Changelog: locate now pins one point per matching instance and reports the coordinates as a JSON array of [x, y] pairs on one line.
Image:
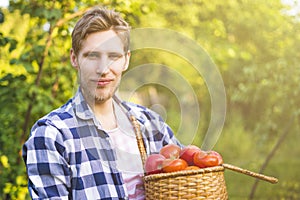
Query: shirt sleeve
[[48, 171], [168, 135], [157, 132]]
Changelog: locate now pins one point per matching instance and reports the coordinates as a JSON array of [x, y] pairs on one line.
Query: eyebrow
[[98, 53], [90, 52]]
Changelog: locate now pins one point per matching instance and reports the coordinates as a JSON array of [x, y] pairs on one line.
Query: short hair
[[100, 19]]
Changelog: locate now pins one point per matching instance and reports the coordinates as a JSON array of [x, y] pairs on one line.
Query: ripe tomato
[[192, 168], [153, 164], [170, 151], [220, 159], [205, 159], [187, 153], [170, 165]]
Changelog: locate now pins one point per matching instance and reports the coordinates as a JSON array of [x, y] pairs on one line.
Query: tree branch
[[271, 154]]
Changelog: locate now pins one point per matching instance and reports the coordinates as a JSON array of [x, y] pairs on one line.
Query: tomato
[[173, 165], [220, 159], [187, 153], [192, 168], [170, 151], [204, 159], [154, 163]]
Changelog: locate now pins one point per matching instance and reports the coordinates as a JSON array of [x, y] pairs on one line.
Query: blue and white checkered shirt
[[69, 156]]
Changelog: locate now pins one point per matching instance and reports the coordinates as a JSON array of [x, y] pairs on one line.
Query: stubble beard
[[106, 95], [100, 98], [89, 91]]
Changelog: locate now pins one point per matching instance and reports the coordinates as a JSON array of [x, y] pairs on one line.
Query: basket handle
[[143, 154], [250, 173], [139, 138]]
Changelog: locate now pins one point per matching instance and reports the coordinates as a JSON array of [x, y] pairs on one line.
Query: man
[[87, 148]]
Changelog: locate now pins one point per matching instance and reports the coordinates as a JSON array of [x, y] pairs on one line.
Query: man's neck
[[103, 108], [104, 112]]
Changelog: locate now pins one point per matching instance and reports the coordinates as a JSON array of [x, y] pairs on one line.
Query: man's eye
[[115, 56], [92, 56]]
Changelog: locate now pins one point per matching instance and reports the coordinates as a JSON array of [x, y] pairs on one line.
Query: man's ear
[[127, 56], [73, 59]]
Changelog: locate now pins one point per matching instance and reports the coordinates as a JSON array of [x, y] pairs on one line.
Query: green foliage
[[35, 75], [254, 44]]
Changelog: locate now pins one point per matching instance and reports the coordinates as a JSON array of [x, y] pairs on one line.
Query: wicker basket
[[206, 183]]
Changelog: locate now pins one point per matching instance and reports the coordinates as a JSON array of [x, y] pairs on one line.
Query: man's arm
[[48, 172]]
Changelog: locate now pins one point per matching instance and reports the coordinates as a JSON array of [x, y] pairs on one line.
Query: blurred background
[[253, 43]]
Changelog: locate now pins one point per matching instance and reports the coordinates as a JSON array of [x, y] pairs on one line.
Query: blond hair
[[100, 19]]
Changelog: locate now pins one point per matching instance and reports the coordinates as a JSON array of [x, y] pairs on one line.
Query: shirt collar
[[82, 109], [122, 115], [122, 111]]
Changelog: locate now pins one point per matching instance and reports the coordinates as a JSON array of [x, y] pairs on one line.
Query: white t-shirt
[[128, 162]]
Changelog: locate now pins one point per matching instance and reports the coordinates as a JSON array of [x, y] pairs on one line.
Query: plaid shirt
[[69, 156]]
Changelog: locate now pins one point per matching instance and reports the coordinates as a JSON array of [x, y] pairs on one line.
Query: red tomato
[[205, 159], [170, 151], [154, 163], [220, 159], [170, 165], [187, 153], [192, 168]]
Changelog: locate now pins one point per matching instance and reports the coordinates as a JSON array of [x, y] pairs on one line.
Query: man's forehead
[[103, 41]]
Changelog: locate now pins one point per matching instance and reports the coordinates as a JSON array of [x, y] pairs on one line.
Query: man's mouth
[[103, 82]]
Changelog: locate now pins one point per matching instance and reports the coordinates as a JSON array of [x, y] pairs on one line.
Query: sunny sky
[[3, 3]]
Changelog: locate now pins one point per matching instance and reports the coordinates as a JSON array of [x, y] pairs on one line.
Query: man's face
[[100, 64]]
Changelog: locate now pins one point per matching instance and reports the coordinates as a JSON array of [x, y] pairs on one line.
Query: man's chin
[[95, 98], [102, 98]]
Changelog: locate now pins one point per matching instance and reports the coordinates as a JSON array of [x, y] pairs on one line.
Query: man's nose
[[103, 65]]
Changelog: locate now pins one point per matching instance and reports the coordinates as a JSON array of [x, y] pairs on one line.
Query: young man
[[87, 148]]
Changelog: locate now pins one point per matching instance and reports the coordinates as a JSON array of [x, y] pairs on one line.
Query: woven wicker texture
[[208, 183]]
